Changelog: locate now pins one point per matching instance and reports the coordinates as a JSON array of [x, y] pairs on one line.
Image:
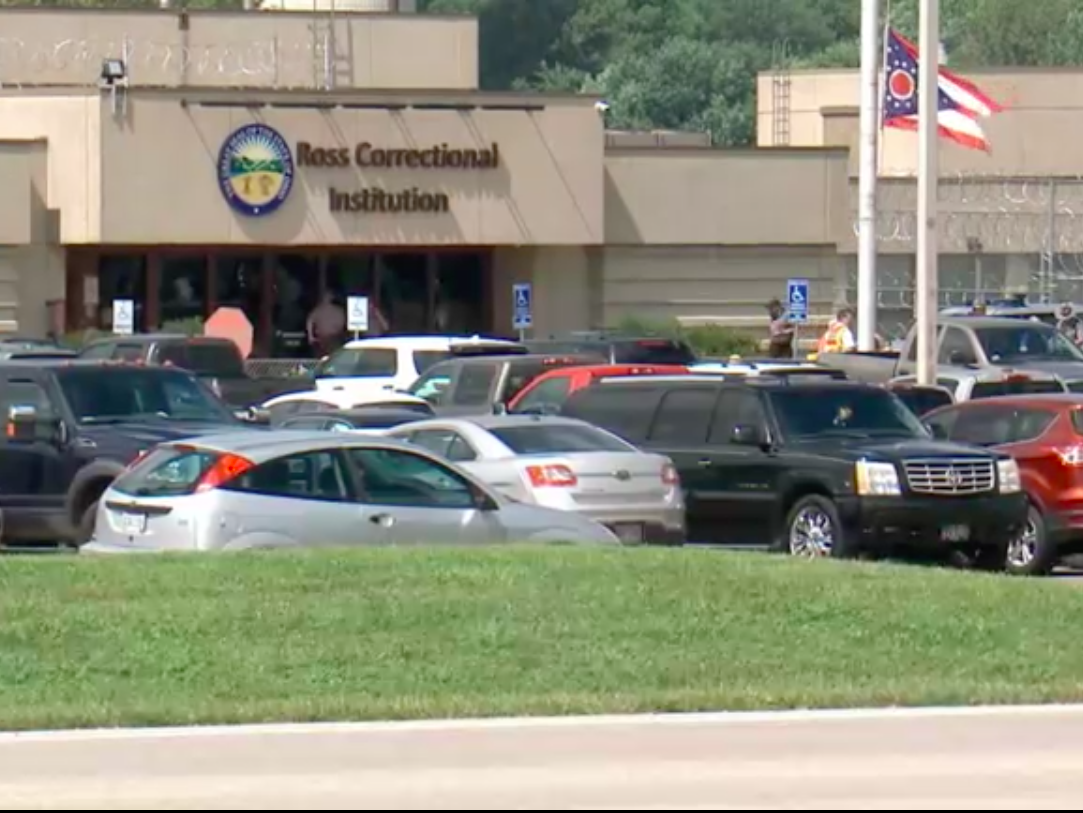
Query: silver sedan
[[565, 464], [257, 490]]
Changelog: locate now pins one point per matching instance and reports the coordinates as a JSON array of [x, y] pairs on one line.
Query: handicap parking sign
[[797, 296], [522, 306]]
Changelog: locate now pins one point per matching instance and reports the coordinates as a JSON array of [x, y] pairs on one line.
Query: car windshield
[[1026, 342], [558, 439], [923, 400], [123, 394], [363, 362], [806, 412]]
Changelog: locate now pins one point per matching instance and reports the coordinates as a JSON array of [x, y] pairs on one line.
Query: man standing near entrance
[[327, 326], [839, 337]]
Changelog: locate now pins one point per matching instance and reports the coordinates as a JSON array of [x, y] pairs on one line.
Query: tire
[[1032, 552], [86, 525], [814, 531]]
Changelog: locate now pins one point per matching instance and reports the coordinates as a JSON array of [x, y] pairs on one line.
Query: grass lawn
[[406, 634]]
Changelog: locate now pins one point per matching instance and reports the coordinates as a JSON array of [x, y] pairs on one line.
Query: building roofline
[[98, 11], [274, 97], [969, 71], [722, 150]]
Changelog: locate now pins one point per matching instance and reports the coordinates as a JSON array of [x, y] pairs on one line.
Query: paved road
[[1017, 760]]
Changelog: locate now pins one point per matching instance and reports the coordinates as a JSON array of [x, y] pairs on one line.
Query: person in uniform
[[839, 336]]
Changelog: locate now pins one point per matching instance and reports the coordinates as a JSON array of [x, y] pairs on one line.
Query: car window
[[626, 411], [545, 439], [168, 471], [923, 400], [427, 359], [460, 450], [653, 351], [110, 395], [1030, 341], [943, 423], [365, 362], [24, 392], [475, 385], [546, 397], [988, 426], [220, 359], [1026, 386], [736, 408], [520, 374], [308, 476], [306, 423], [435, 385], [957, 343], [129, 352], [1031, 423], [437, 441], [843, 412], [399, 478], [280, 413], [684, 417], [98, 352]]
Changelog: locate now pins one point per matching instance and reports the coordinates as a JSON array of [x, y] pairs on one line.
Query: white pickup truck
[[975, 343]]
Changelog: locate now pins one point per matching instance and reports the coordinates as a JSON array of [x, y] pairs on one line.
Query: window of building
[[122, 276], [182, 290]]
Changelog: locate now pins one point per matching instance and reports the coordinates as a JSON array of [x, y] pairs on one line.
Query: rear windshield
[[368, 362], [996, 389], [923, 401], [653, 351], [168, 471], [622, 409], [217, 359], [558, 439], [424, 359], [522, 373], [125, 394]]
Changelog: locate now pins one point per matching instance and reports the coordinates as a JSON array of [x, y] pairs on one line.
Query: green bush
[[715, 341]]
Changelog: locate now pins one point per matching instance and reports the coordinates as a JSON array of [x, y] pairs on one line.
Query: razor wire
[[76, 61]]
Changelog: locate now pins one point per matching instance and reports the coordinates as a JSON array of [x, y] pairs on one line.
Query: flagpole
[[928, 178], [871, 61]]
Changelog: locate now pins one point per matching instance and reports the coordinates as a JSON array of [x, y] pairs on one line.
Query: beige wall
[[724, 197], [1034, 136], [56, 47], [160, 180], [711, 283], [69, 125], [567, 286]]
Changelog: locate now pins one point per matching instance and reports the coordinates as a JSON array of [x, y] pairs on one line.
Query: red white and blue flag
[[961, 102]]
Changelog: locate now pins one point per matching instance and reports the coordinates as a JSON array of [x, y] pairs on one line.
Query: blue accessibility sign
[[797, 299], [522, 301]]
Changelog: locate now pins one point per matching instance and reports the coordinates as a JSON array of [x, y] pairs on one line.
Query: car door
[[34, 472], [743, 480], [679, 431], [307, 499], [417, 500]]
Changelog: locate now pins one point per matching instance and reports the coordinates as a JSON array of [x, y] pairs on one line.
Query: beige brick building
[[256, 159]]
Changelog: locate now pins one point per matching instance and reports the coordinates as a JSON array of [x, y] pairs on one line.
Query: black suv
[[475, 385], [72, 427], [813, 467]]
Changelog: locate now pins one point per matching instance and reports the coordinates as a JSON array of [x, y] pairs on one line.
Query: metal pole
[[928, 176], [871, 62], [1050, 276]]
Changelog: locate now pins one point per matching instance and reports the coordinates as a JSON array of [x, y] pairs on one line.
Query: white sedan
[[565, 464]]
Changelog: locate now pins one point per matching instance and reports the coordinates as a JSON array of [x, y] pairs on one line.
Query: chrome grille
[[951, 476]]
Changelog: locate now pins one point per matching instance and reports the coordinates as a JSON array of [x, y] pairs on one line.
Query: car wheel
[[1030, 552], [814, 531]]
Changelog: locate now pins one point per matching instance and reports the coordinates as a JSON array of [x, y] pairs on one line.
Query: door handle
[[383, 520], [706, 463]]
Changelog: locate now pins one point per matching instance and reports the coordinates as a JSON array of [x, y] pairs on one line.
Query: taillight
[[552, 477], [226, 469], [1071, 456], [670, 477]]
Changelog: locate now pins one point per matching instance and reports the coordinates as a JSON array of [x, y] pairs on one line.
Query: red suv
[[1044, 433], [546, 394]]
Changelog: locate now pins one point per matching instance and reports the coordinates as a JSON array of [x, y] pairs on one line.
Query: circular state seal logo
[[255, 170]]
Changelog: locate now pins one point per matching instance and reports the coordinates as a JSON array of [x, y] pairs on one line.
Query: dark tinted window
[[23, 392], [305, 423], [990, 425], [623, 410], [653, 351], [923, 400], [424, 359], [167, 471], [685, 417], [475, 385], [311, 476], [736, 408], [360, 363], [996, 389], [546, 397], [104, 394], [129, 352], [558, 439], [393, 477], [1030, 341], [219, 359], [809, 412], [284, 411]]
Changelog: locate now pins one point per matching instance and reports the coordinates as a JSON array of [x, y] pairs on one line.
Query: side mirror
[[26, 425], [750, 435], [937, 431]]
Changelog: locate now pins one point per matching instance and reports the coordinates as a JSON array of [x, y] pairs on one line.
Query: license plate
[[133, 524], [955, 533], [630, 533]]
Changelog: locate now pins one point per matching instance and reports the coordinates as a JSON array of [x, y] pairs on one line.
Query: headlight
[[877, 479], [1008, 475]]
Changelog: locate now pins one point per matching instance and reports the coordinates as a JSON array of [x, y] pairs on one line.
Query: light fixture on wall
[[114, 80]]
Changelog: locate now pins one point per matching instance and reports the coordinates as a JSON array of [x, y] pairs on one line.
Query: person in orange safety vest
[[839, 337]]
